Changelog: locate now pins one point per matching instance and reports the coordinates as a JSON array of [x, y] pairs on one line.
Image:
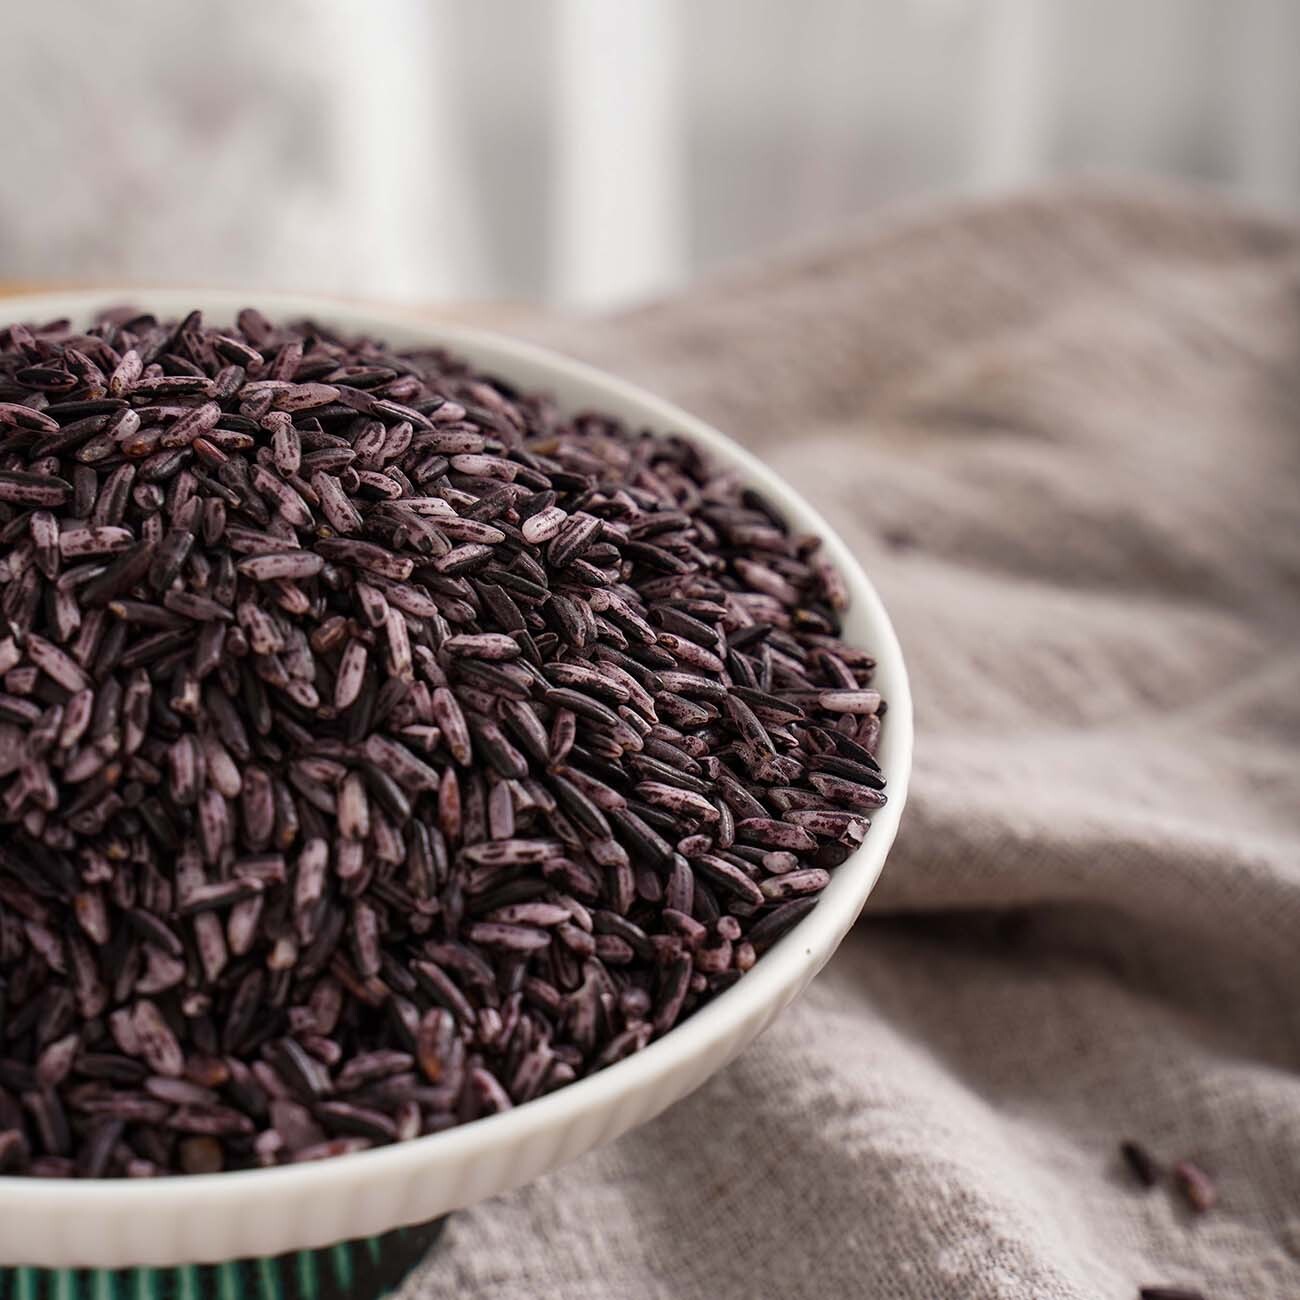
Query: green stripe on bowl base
[[342, 1257], [363, 1269], [306, 1273], [271, 1274]]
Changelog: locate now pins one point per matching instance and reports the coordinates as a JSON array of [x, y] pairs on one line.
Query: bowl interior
[[659, 1074]]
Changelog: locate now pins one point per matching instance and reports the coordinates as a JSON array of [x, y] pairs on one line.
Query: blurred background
[[589, 153]]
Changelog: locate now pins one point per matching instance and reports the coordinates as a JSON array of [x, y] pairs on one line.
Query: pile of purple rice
[[379, 748]]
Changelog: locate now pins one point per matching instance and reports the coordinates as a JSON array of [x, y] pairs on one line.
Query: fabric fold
[[1063, 435]]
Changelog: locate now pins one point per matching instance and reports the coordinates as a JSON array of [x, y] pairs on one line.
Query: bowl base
[[361, 1269]]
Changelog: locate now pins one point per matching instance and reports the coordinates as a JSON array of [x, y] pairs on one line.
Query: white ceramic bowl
[[216, 1217]]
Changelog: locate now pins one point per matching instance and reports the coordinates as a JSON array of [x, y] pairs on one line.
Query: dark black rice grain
[[1143, 1165], [379, 749]]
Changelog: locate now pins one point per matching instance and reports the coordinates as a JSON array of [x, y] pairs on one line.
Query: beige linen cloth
[[1063, 435]]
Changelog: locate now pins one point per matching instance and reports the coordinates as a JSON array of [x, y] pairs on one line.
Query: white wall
[[590, 151]]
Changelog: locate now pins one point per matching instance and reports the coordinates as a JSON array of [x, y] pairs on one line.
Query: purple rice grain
[[1197, 1187], [378, 748]]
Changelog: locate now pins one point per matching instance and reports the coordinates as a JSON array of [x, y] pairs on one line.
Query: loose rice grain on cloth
[[1063, 434]]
